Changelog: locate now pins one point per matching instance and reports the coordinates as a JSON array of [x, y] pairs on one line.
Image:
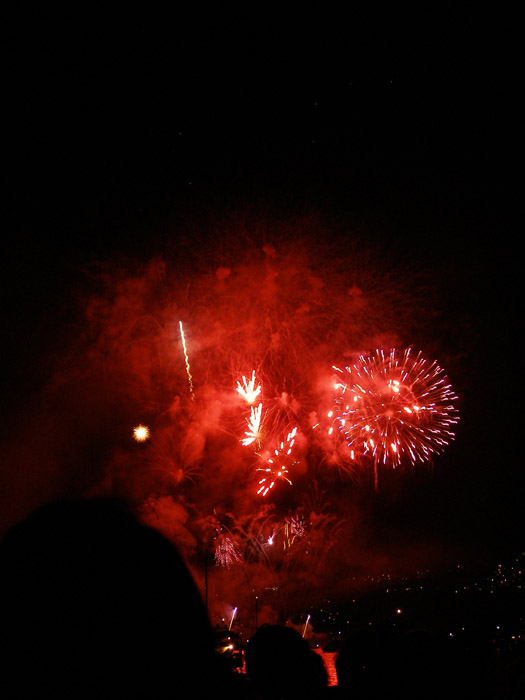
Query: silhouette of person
[[280, 664], [95, 604]]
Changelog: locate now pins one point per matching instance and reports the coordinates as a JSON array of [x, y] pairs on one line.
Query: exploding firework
[[277, 465], [293, 529], [395, 406], [141, 433], [226, 553], [254, 426], [279, 315], [248, 390]]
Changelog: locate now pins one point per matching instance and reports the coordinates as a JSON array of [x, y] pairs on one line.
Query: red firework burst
[[277, 465], [395, 406]]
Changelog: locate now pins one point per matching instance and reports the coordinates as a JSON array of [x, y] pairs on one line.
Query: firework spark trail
[[293, 529], [392, 406], [190, 380], [306, 625], [326, 433], [233, 615], [226, 553], [254, 426], [249, 391], [277, 465]]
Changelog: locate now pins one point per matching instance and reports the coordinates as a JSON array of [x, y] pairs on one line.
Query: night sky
[[122, 130]]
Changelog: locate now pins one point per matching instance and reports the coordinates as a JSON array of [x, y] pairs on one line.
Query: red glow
[[277, 465]]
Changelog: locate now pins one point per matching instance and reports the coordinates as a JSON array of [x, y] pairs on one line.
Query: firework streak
[[190, 380], [254, 426]]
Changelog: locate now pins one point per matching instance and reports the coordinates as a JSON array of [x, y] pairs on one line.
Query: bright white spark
[[254, 424], [248, 390], [190, 380], [141, 433]]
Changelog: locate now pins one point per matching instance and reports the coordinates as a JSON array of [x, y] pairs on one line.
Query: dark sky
[[406, 125]]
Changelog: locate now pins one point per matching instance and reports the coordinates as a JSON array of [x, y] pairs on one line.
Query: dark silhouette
[[280, 664], [95, 604]]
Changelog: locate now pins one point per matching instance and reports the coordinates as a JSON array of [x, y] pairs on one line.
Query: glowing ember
[[141, 433], [248, 390], [254, 425], [395, 406]]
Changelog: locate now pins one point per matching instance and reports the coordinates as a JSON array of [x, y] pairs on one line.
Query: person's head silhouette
[[280, 664], [96, 604]]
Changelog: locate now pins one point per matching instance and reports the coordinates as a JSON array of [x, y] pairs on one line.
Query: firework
[[293, 529], [248, 390], [277, 465], [233, 615], [226, 553], [306, 625], [395, 407], [190, 380], [141, 433], [254, 426], [327, 439]]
